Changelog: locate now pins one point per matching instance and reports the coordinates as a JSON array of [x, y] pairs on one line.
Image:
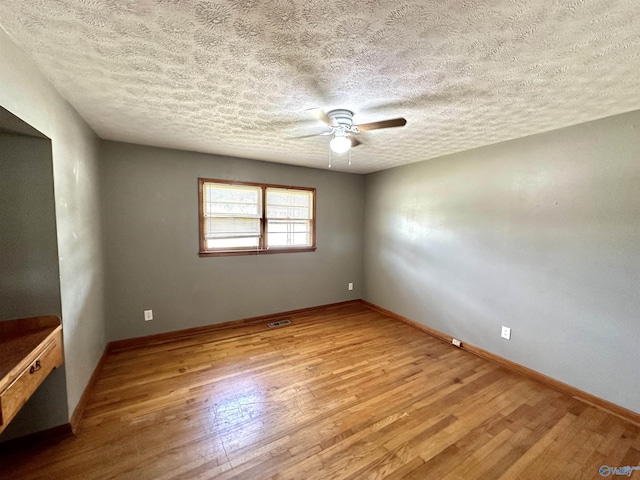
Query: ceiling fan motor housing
[[341, 117]]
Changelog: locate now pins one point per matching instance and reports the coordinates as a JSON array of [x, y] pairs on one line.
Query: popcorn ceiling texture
[[235, 77]]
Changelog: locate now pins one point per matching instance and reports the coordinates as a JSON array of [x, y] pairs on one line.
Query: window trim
[[261, 250]]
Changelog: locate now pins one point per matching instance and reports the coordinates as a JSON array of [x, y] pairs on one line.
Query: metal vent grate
[[279, 323]]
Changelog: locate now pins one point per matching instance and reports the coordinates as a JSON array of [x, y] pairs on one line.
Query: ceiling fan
[[341, 126]]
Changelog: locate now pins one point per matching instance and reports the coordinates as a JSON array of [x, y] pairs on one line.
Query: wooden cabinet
[[30, 348]]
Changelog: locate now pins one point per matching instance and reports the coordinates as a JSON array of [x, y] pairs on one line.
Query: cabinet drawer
[[18, 392]]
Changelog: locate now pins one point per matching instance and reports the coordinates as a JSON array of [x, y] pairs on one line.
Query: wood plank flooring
[[343, 393]]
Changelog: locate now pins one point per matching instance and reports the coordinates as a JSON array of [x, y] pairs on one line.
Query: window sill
[[233, 253]]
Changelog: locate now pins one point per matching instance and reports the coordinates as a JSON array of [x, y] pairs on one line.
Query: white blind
[[289, 214], [289, 204], [232, 211], [222, 227], [235, 218]]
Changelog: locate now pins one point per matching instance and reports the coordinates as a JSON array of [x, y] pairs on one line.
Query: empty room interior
[[300, 239]]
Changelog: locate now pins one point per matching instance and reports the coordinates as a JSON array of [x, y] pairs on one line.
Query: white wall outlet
[[506, 333], [456, 342], [148, 315], [350, 287]]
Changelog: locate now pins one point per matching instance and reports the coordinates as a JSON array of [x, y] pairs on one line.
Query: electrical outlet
[[506, 333], [148, 315], [350, 286], [456, 342]]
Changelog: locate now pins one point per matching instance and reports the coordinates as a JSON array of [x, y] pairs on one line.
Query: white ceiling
[[236, 77]]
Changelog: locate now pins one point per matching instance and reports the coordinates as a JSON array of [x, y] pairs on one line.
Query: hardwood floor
[[345, 393]]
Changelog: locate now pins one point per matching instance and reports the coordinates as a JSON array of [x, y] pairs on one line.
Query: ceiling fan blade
[[310, 135], [395, 122], [354, 142], [320, 115]]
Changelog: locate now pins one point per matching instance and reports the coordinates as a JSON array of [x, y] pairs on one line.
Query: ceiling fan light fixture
[[340, 144]]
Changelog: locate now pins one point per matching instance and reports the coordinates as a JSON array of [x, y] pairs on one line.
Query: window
[[246, 218]]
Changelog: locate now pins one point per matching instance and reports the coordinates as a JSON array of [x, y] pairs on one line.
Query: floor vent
[[279, 323]]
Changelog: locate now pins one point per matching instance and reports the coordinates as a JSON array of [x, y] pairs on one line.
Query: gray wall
[[25, 92], [29, 276], [541, 234], [150, 212]]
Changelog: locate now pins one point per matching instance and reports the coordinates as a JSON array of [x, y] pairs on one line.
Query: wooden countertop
[[19, 342]]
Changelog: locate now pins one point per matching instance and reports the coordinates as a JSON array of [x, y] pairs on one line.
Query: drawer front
[[16, 394]]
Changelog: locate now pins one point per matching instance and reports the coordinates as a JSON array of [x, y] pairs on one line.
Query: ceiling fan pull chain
[[330, 155], [349, 157]]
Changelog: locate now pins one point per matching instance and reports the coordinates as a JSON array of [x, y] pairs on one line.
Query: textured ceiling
[[236, 77]]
